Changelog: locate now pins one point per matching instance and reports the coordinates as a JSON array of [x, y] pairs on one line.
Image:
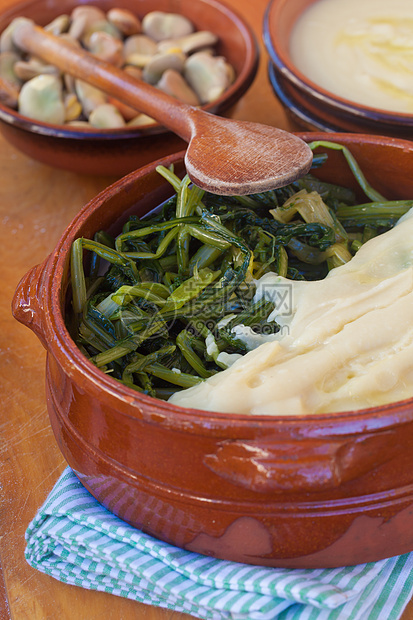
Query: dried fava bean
[[173, 83], [106, 116], [89, 96], [59, 25], [41, 99], [127, 112], [9, 82], [160, 25], [138, 50], [158, 64], [141, 120], [90, 13], [6, 37], [208, 75], [73, 107], [8, 62], [82, 18], [100, 26], [9, 94], [26, 70], [67, 38], [108, 48], [126, 22], [191, 43]]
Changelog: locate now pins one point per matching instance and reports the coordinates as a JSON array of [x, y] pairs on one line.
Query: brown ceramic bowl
[[117, 152], [308, 104], [307, 491]]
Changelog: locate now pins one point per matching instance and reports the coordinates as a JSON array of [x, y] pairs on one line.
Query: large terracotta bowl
[[307, 491], [119, 151], [309, 105]]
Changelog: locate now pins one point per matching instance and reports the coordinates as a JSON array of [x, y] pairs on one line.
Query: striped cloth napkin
[[77, 541]]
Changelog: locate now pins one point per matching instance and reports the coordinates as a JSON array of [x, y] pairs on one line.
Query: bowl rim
[[236, 90], [302, 115], [61, 345], [286, 67]]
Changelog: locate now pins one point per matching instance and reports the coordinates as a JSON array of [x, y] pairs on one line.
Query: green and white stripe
[[77, 541]]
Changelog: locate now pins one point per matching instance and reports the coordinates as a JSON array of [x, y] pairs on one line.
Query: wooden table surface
[[36, 204]]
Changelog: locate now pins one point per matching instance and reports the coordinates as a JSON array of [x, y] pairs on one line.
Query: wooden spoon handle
[[79, 63]]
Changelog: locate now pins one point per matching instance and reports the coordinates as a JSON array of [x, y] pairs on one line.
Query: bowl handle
[[27, 304], [305, 464]]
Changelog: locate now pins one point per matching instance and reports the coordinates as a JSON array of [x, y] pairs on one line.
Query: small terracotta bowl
[[119, 151], [307, 491], [309, 105]]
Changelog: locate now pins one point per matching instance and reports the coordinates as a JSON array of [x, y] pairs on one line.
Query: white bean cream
[[346, 342], [361, 50]]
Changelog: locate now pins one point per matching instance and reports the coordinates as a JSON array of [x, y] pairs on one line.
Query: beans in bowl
[[163, 49]]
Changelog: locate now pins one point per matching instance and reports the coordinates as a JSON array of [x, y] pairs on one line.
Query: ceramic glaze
[[361, 51]]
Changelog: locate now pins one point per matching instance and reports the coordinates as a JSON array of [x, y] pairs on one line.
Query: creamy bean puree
[[345, 343], [360, 50]]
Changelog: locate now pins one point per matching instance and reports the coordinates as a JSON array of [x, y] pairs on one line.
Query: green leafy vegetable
[[158, 306]]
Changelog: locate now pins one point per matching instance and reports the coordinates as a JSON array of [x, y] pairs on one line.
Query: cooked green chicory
[[156, 306]]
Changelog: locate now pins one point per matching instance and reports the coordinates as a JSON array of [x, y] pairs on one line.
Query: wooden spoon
[[224, 156]]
